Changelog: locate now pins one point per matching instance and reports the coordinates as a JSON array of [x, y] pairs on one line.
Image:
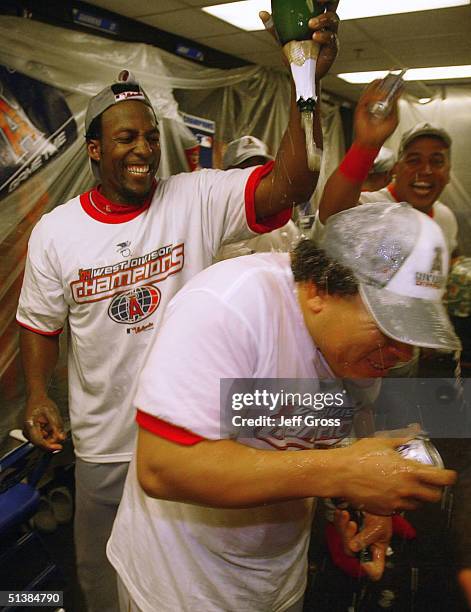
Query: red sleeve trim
[[166, 430], [273, 221], [40, 331]]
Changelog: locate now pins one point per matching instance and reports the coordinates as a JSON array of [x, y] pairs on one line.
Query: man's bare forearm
[[225, 474], [39, 356], [202, 473], [290, 182], [339, 194]]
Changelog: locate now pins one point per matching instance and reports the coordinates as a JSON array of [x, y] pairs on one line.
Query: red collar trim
[[101, 209], [393, 193]]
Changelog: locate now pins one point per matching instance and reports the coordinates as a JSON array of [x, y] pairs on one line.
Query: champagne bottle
[[291, 19]]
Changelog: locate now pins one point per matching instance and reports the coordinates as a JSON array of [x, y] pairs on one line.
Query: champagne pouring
[[291, 19]]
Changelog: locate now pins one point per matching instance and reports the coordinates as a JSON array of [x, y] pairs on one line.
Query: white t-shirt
[[441, 214], [238, 319], [112, 276], [280, 240]]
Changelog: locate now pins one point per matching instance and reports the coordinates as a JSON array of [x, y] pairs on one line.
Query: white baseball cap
[[383, 162], [400, 259], [243, 148]]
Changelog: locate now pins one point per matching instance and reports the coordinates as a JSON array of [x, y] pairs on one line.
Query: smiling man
[[217, 518], [421, 173], [108, 262]]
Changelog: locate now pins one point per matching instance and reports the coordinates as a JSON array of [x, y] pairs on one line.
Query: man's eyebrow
[[131, 130]]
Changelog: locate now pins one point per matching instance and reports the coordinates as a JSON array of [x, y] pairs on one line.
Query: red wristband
[[357, 163]]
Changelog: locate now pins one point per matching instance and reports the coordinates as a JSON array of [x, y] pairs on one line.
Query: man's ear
[[315, 299], [94, 150]]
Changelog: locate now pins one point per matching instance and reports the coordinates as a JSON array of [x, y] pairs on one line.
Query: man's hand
[[371, 132], [375, 534], [464, 580], [375, 478], [324, 28], [43, 424]]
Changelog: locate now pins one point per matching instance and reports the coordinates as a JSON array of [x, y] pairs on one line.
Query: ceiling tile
[[137, 8], [190, 22], [411, 25], [206, 2], [235, 43], [263, 59], [266, 38]]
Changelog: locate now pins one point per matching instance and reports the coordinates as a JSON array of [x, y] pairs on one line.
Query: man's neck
[[107, 205]]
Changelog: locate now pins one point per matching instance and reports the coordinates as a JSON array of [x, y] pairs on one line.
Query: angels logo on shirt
[[135, 305]]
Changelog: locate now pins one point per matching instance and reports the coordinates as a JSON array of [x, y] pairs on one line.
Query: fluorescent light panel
[[244, 14], [438, 73]]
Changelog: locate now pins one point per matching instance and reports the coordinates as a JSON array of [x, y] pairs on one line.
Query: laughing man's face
[[422, 172], [128, 152]]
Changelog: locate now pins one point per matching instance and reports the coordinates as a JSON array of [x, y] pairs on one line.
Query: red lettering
[[134, 307]]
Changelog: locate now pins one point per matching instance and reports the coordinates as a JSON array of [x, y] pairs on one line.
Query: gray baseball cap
[[423, 129], [242, 149], [125, 88], [400, 259]]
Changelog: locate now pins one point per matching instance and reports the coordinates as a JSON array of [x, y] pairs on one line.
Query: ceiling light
[[244, 14], [438, 73], [424, 100], [362, 77]]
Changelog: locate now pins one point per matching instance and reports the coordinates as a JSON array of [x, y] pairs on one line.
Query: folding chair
[[25, 564]]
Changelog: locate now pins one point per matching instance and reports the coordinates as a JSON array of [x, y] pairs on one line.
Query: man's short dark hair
[[310, 263], [94, 130]]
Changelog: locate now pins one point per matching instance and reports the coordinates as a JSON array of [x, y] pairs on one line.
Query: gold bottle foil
[[298, 51]]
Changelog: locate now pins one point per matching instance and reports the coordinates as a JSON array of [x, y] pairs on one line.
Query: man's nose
[[426, 168], [143, 146]]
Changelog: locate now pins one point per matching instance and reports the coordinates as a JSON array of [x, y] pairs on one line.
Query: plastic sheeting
[[244, 100]]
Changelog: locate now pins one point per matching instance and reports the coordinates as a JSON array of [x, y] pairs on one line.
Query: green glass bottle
[[291, 18]]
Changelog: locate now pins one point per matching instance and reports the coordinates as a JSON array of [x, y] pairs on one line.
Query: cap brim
[[410, 320]]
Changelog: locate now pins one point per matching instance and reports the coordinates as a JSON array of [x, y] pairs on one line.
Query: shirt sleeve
[[228, 206], [42, 307], [202, 340]]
